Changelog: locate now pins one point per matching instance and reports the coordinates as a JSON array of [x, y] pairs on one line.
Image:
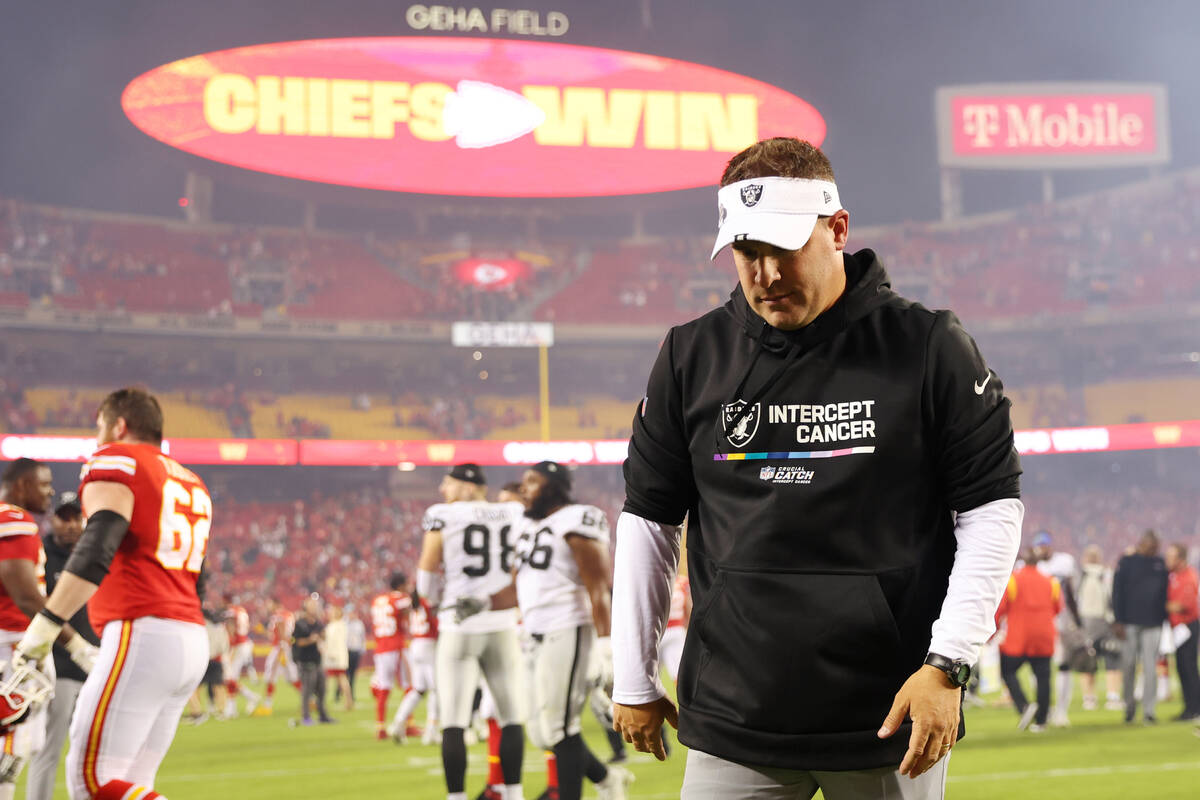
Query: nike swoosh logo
[[979, 386]]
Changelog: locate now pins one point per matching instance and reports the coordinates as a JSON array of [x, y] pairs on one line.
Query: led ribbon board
[[457, 116]]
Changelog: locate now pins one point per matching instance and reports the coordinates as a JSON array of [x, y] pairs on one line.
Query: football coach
[[845, 461]]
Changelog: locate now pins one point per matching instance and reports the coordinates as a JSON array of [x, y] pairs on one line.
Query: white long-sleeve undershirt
[[988, 539], [647, 558], [644, 569]]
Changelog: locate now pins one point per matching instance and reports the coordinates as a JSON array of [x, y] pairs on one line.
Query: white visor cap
[[778, 211]]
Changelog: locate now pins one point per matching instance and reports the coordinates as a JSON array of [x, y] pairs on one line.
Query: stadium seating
[[69, 410], [1117, 402], [1131, 247], [186, 416]]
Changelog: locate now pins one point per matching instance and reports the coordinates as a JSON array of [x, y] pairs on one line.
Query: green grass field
[[262, 757]]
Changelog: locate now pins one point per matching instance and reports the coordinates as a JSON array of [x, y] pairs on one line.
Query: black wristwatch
[[959, 672]]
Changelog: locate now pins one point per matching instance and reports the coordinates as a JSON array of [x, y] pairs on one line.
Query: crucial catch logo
[[786, 475]]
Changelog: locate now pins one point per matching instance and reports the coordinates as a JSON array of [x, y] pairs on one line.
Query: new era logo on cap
[[554, 471], [471, 473], [828, 196]]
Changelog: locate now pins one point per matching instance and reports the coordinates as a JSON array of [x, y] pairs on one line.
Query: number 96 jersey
[[478, 553], [155, 569], [549, 590]]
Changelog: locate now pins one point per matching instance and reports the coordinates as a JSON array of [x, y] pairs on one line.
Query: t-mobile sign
[[1052, 125]]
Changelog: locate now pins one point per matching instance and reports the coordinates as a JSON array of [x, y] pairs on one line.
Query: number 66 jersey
[[550, 592], [478, 552], [154, 571]]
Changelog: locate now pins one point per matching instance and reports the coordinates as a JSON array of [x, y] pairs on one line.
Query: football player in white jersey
[[563, 583], [472, 540]]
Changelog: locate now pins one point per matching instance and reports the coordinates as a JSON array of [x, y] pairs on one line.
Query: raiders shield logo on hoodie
[[739, 425]]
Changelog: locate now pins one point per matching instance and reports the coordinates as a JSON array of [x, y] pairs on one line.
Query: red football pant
[[495, 774]]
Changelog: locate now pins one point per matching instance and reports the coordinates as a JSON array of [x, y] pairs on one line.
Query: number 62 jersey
[[549, 590], [478, 554], [154, 571]]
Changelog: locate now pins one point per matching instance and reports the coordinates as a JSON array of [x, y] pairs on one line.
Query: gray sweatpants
[[44, 765], [1141, 644], [707, 777], [312, 687]]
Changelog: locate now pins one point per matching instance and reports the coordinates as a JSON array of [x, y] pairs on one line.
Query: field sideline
[[262, 758]]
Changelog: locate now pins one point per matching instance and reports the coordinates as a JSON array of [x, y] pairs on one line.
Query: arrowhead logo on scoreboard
[[480, 114], [491, 274]]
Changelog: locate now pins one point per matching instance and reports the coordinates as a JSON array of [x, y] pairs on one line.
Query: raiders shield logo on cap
[[751, 194]]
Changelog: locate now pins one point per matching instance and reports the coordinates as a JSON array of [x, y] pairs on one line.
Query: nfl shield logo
[[739, 423], [766, 473], [751, 194]]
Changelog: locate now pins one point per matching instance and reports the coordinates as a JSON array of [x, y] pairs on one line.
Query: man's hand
[[641, 725], [36, 643], [1118, 630], [467, 607], [933, 703]]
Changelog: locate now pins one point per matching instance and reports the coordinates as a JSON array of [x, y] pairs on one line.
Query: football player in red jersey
[[280, 626], [389, 624], [419, 659], [137, 565], [25, 487], [241, 659]]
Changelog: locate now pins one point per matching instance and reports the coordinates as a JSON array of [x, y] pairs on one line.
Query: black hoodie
[[818, 469]]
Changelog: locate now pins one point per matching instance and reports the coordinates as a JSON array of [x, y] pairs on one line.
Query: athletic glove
[[601, 671], [82, 652], [38, 639], [602, 706], [467, 607]]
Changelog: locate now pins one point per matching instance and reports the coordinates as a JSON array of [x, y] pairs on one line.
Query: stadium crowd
[[1063, 257]]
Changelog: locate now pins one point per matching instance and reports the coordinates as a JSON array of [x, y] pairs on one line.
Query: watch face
[[960, 673]]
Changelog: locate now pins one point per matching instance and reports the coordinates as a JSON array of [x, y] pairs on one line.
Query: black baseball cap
[[471, 473], [554, 472], [68, 506]]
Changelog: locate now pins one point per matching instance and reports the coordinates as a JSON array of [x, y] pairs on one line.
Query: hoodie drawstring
[[748, 409]]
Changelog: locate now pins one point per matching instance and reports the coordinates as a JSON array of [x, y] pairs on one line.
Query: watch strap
[[951, 667]]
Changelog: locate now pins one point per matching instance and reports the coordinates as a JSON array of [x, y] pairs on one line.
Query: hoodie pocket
[[798, 653]]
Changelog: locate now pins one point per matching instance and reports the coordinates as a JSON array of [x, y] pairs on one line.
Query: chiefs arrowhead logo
[[482, 115]]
